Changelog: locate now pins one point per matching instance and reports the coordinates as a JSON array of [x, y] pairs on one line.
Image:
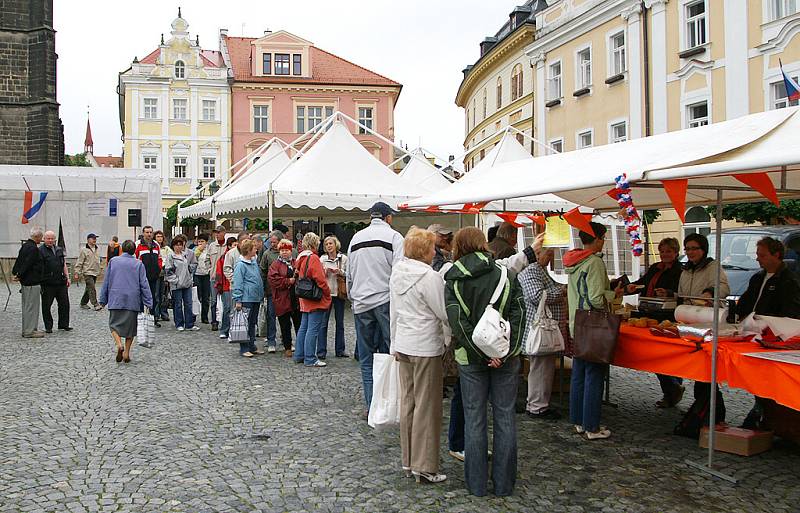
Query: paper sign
[[97, 207], [557, 232]]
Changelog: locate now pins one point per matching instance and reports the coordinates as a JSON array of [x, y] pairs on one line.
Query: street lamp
[[213, 188], [199, 190]]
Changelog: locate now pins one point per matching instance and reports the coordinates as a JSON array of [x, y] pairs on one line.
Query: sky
[[423, 44]]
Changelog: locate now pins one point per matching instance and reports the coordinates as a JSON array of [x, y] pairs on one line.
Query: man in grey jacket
[[372, 253]]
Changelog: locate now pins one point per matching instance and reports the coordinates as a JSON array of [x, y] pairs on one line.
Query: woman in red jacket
[[281, 277], [223, 286], [308, 265]]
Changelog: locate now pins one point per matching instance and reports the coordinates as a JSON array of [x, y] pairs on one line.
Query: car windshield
[[738, 250]]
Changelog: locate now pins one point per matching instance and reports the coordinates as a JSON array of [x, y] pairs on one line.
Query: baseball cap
[[438, 228], [91, 236], [380, 210]]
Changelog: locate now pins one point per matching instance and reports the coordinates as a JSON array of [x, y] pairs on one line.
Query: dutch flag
[[30, 208], [792, 89]]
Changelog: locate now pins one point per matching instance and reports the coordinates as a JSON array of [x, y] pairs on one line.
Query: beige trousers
[[420, 411], [540, 382]]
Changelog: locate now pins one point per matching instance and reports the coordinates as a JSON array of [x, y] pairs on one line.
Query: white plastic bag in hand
[[384, 411]]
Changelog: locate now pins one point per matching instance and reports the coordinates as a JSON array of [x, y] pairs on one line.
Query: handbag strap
[[305, 269], [583, 296], [542, 308], [501, 285]]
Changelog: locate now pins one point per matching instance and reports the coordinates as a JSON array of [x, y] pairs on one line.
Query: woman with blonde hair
[[313, 311], [419, 331], [335, 265]]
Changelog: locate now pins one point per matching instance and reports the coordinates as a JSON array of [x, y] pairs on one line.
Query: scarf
[[651, 285], [289, 268]]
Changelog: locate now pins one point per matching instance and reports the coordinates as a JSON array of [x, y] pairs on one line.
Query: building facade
[[175, 113], [610, 70], [283, 86], [497, 90], [31, 132]]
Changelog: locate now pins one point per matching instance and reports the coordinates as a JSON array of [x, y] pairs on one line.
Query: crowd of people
[[418, 297]]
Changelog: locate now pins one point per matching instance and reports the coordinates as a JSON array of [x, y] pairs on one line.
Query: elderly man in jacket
[[55, 283], [28, 269], [88, 265], [215, 250]]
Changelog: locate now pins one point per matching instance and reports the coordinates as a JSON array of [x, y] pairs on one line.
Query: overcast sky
[[422, 44]]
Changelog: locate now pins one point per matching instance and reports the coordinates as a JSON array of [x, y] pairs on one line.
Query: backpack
[[698, 415]]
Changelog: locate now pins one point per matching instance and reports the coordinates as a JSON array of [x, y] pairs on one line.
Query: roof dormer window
[[281, 63], [180, 69], [267, 62]]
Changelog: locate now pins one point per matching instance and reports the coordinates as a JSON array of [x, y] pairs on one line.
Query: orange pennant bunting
[[510, 218], [676, 190], [537, 218], [577, 220], [762, 183]]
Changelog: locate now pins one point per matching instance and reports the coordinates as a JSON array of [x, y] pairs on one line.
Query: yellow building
[[497, 90], [609, 70], [175, 113]]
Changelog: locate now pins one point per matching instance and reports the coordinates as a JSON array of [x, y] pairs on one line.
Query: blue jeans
[[455, 433], [182, 308], [586, 393], [306, 346], [337, 305], [372, 336], [225, 322], [480, 383], [252, 322]]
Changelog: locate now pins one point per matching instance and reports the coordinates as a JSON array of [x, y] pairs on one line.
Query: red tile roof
[[110, 161], [210, 58], [326, 68]]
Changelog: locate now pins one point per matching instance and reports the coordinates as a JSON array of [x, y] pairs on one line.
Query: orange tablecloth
[[639, 349]]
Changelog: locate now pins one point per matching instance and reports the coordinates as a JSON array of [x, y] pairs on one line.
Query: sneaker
[[271, 349], [258, 351], [598, 435], [248, 354], [222, 335], [195, 328], [181, 328], [459, 455]]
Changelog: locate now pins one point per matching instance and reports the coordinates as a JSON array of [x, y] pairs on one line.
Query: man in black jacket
[[775, 291], [55, 283], [28, 269]]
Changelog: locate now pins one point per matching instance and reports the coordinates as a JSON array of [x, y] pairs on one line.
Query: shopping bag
[[384, 411], [145, 329], [238, 331], [195, 302]]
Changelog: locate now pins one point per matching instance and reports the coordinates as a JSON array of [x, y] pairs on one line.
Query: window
[[365, 118], [179, 106], [180, 69], [301, 120], [499, 99], [281, 63], [267, 63], [150, 162], [585, 139], [260, 118], [179, 167], [695, 24], [516, 82], [209, 110], [617, 60], [151, 108], [473, 113], [483, 154], [554, 90], [619, 132], [697, 114], [297, 64], [309, 116], [778, 93], [697, 221], [209, 167], [584, 68], [556, 146], [781, 8], [484, 103]]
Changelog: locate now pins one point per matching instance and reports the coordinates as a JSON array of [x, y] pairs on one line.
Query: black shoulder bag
[[307, 288]]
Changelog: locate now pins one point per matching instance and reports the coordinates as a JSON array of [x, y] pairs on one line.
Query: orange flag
[[577, 220], [761, 183], [537, 218], [676, 190], [510, 218]]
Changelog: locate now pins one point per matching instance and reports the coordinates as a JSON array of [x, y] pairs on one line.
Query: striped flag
[[30, 208], [792, 88]]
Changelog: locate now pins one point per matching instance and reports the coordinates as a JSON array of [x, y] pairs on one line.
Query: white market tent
[[421, 172], [708, 158], [79, 197]]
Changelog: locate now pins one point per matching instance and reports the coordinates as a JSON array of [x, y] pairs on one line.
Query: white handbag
[[492, 334], [544, 335], [384, 410]]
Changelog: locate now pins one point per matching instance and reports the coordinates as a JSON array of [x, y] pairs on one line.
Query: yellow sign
[[557, 232]]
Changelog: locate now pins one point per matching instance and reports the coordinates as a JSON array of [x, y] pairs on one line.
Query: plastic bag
[[145, 329], [384, 410], [238, 331]]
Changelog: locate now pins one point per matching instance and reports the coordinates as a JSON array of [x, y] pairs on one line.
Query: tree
[[759, 212], [79, 159], [172, 215]]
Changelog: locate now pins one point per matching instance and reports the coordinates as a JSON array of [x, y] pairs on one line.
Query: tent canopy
[[78, 179], [705, 155], [419, 171]]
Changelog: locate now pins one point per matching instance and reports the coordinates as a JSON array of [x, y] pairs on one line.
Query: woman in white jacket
[[419, 329]]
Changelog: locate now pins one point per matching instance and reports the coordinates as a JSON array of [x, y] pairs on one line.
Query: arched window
[[180, 69], [516, 82], [499, 92], [484, 103], [697, 221]]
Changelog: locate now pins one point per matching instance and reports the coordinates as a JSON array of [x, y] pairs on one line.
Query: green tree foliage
[[759, 212], [79, 159], [172, 215]]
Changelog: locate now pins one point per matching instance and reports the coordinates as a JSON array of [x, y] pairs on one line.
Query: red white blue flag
[[792, 88], [30, 208]]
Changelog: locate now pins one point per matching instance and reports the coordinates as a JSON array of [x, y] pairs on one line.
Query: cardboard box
[[744, 442]]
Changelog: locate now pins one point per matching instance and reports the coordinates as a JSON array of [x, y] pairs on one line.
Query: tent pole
[[270, 198], [712, 421]]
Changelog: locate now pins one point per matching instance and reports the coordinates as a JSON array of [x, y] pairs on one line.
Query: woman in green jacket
[[588, 287], [470, 283]]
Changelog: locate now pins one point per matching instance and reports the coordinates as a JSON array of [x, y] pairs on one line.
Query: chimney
[[267, 32], [223, 32]]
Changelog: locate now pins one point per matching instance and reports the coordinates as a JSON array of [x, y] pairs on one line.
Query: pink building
[[283, 86]]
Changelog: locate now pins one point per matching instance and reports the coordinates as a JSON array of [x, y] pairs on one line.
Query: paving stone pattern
[[192, 427]]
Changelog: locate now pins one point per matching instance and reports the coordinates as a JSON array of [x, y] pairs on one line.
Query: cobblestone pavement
[[191, 427]]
